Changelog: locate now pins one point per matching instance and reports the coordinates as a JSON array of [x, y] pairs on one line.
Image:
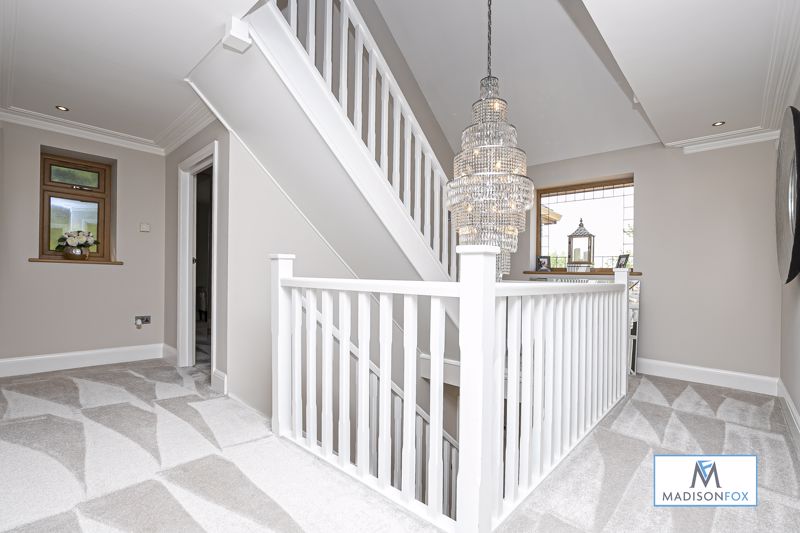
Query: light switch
[[144, 227]]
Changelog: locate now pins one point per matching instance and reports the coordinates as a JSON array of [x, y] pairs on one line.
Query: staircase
[[314, 102], [327, 120]]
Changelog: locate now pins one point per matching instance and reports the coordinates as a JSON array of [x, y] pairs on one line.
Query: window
[[606, 208], [75, 195]]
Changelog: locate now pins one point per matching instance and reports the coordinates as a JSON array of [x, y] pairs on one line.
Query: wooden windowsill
[[74, 262], [556, 273]]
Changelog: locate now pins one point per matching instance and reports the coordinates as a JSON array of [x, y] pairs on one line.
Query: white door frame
[[187, 170]]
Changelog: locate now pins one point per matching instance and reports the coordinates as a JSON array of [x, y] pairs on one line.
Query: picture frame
[[622, 261], [543, 263]]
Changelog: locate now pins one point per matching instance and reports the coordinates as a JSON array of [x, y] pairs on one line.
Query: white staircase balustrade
[[444, 456], [559, 349], [409, 167]]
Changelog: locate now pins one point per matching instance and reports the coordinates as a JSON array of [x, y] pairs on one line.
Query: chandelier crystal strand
[[490, 193]]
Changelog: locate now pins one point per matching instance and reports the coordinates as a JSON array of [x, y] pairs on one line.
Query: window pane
[[73, 176], [71, 215]]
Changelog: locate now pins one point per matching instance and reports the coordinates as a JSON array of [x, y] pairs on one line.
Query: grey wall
[[705, 242], [790, 332], [262, 221], [54, 307]]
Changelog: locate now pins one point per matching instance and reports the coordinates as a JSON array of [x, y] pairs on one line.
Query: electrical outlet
[[144, 318]]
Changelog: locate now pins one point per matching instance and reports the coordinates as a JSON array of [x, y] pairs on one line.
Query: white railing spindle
[[498, 400], [344, 378], [395, 145], [311, 368], [427, 213], [437, 214], [512, 395], [372, 73], [558, 372], [293, 16], [410, 393], [373, 424], [281, 267], [327, 44], [384, 126], [311, 32], [358, 83], [384, 395], [407, 165], [436, 407], [417, 182], [526, 393], [362, 423], [344, 41], [297, 364], [327, 372]]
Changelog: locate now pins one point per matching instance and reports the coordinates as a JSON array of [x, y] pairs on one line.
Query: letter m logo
[[705, 469]]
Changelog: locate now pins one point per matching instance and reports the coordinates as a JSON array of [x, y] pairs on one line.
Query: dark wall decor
[[786, 196]]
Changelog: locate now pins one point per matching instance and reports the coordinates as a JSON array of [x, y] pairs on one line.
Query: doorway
[[202, 268], [197, 264]]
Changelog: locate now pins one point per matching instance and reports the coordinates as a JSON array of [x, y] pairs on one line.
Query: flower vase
[[76, 253]]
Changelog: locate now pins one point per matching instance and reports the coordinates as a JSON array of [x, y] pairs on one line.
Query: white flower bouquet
[[76, 239]]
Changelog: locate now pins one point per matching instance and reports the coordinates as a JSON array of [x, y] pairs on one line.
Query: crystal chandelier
[[489, 192]]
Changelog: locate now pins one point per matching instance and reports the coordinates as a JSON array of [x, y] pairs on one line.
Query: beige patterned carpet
[[145, 447], [606, 483]]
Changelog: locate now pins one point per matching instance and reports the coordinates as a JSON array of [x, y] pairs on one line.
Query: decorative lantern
[[581, 249]]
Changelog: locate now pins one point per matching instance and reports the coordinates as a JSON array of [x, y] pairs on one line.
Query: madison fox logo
[[705, 469]]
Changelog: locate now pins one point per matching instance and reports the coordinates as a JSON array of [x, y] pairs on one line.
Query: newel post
[[476, 481], [622, 276], [281, 267]]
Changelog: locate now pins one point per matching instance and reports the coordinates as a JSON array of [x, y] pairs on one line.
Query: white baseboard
[[709, 376], [794, 415], [219, 382], [171, 354], [33, 364]]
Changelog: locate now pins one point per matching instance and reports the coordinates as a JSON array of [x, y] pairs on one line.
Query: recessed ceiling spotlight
[[719, 123], [62, 108]]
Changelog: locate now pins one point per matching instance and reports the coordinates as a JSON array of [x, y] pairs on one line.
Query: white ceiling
[[118, 66], [693, 63], [563, 99], [570, 72]]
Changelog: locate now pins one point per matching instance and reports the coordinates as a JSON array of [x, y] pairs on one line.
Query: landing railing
[[422, 421], [559, 348], [340, 46]]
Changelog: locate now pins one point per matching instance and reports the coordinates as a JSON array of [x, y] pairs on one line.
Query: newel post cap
[[274, 257]]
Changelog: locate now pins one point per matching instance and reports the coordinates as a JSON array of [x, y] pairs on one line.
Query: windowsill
[[74, 262], [562, 273]]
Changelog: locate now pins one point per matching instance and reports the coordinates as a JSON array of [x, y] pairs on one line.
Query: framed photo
[[622, 261], [543, 263]]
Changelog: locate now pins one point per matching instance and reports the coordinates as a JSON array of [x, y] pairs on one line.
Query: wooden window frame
[[101, 195], [626, 180]]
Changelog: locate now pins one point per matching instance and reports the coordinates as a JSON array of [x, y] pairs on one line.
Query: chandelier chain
[[489, 42]]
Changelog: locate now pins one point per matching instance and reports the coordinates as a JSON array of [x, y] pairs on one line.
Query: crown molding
[[33, 119], [752, 135], [188, 123], [783, 72], [196, 117]]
